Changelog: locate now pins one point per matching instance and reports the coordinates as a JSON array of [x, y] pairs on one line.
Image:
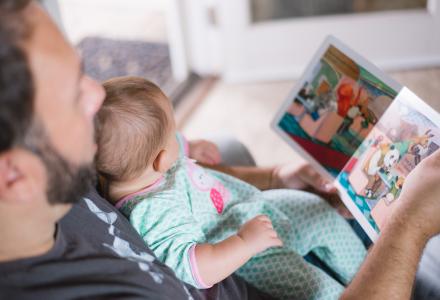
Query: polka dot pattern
[[176, 216]]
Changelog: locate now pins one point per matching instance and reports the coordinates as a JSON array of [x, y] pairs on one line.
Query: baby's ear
[[160, 162]]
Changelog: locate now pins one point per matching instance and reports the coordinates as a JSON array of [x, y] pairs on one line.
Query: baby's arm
[[215, 262]]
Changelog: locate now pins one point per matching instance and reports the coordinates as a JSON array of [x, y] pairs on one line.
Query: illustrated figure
[[381, 162], [420, 147], [345, 96], [395, 189], [388, 155], [352, 113], [353, 102]]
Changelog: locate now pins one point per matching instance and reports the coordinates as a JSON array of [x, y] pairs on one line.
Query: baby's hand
[[258, 234], [204, 152]]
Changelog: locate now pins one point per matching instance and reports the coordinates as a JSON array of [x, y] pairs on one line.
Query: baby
[[206, 225]]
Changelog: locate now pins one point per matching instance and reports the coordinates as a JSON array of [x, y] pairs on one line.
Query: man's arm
[[260, 177], [292, 176], [390, 267]]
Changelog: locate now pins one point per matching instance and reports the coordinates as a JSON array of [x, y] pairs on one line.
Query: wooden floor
[[246, 110]]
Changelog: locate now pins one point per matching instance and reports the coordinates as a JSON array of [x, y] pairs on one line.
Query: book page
[[373, 178], [337, 103]]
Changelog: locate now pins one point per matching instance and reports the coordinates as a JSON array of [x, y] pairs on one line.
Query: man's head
[[47, 106]]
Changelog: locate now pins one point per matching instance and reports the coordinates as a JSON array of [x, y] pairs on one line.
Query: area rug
[[106, 58]]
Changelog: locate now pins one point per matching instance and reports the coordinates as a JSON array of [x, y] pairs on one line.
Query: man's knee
[[233, 152]]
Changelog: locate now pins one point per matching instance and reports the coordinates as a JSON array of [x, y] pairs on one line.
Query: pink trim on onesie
[[195, 269], [124, 199]]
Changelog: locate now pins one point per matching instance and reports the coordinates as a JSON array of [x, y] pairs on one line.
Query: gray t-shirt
[[97, 254]]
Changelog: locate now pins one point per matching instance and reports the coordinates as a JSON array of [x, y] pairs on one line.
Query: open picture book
[[360, 129]]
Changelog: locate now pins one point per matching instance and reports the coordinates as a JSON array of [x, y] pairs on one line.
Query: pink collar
[[148, 188]]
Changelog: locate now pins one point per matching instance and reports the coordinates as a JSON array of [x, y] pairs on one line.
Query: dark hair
[[66, 182], [16, 85]]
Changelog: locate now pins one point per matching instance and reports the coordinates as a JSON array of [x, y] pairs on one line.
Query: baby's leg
[[284, 274], [313, 226]]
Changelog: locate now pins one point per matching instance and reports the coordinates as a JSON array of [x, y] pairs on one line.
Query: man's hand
[[419, 202], [300, 176], [396, 254], [204, 152], [258, 234], [305, 177]]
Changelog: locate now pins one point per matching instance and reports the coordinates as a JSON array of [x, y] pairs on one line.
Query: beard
[[66, 183]]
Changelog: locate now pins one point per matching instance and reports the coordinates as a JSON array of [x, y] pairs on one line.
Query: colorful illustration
[[359, 128], [376, 173], [336, 109]]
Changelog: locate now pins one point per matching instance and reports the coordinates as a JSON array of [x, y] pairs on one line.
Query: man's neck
[[23, 242]]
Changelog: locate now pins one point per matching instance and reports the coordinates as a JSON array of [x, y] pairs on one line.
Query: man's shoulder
[[98, 255], [95, 247]]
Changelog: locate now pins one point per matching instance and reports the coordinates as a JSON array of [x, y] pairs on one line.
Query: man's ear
[[160, 162], [14, 185]]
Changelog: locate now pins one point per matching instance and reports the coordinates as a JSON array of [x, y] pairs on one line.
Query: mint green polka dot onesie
[[192, 205]]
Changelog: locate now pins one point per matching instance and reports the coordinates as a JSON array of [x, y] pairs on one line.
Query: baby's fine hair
[[131, 127]]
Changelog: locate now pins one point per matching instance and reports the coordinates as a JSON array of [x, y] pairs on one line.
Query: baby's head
[[135, 131]]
